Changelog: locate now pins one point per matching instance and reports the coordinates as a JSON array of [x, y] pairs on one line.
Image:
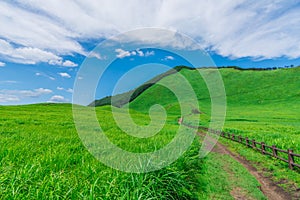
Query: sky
[[44, 43]]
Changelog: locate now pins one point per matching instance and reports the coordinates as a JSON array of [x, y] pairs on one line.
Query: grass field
[[262, 105], [42, 156]]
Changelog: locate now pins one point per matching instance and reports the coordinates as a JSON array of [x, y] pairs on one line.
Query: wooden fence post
[[247, 141], [291, 158], [253, 144], [263, 148], [240, 139], [274, 151]]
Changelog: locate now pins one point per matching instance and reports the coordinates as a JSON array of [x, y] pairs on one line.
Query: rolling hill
[[261, 104]]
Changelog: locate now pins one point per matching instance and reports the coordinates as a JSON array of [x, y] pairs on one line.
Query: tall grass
[[42, 157]]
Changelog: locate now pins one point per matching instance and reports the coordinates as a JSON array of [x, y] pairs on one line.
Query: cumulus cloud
[[4, 98], [93, 54], [168, 58], [30, 55], [69, 90], [43, 31], [64, 75], [2, 64], [57, 99], [123, 53], [149, 53], [69, 63], [17, 95]]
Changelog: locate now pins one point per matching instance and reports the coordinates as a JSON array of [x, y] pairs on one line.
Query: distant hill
[[243, 87], [124, 98]]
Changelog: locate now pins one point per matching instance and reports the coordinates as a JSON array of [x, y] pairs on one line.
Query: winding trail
[[268, 187]]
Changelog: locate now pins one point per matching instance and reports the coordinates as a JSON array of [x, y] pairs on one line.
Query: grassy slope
[[121, 99], [260, 104], [263, 105]]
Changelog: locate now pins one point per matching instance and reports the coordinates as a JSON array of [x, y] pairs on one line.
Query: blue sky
[[43, 43]]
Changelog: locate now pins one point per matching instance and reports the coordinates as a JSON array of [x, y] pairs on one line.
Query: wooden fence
[[259, 146]]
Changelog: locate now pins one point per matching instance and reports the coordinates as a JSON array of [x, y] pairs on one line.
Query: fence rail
[[252, 143]]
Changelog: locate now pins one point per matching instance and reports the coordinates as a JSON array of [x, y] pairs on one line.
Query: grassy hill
[[262, 102], [243, 87], [124, 98]]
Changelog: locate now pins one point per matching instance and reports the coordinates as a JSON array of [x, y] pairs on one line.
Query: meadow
[[42, 156]]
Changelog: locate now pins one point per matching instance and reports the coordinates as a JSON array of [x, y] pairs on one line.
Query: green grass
[[42, 157], [261, 105], [226, 176]]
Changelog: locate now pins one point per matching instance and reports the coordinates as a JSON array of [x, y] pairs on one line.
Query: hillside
[[124, 98], [261, 104], [243, 87], [267, 100]]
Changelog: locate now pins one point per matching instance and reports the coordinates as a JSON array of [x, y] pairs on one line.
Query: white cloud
[[2, 64], [93, 54], [64, 75], [17, 95], [44, 31], [57, 99], [38, 74], [140, 53], [149, 53], [51, 78], [41, 91], [168, 58], [30, 55], [69, 90], [8, 98], [69, 63], [31, 93], [122, 53]]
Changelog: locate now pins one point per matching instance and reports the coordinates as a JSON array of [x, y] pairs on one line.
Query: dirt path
[[270, 189]]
